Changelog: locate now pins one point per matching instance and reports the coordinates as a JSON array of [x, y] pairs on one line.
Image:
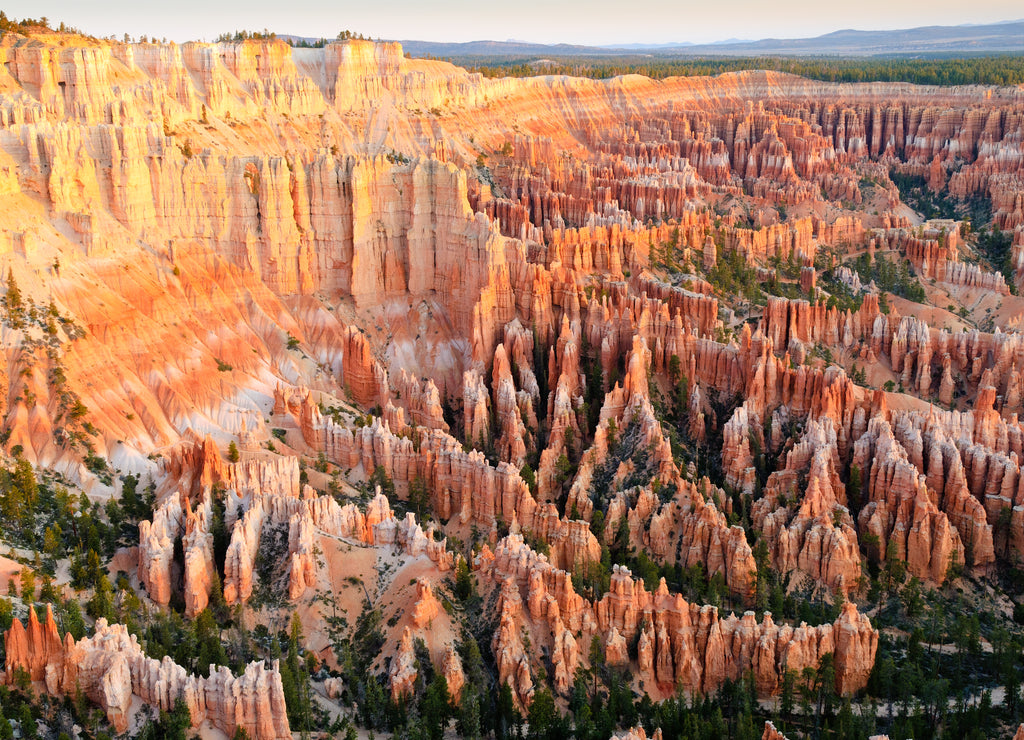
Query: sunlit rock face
[[513, 305], [110, 668]]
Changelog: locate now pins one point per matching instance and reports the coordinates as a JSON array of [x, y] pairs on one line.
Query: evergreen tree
[[436, 707], [507, 721], [210, 650], [542, 717], [468, 724], [6, 731]]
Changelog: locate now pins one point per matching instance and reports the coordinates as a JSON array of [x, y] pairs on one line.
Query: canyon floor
[[344, 393]]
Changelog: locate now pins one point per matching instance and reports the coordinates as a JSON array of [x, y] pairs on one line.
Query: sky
[[594, 22]]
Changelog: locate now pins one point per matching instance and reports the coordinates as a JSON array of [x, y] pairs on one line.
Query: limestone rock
[[110, 667], [451, 667], [427, 607], [156, 548], [677, 643], [403, 668]]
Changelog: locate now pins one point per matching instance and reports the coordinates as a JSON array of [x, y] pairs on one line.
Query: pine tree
[[15, 307], [6, 731], [436, 707], [468, 724], [28, 584], [543, 716]]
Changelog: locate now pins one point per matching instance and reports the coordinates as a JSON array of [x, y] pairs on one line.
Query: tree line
[[996, 69]]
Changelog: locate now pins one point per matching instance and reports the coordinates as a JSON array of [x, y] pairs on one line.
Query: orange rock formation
[[110, 667]]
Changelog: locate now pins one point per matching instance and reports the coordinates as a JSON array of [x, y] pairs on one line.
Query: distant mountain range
[[1007, 37]]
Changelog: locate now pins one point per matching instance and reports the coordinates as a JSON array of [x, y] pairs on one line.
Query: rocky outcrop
[[197, 544], [241, 555], [35, 648], [742, 428], [403, 674], [510, 654], [691, 645], [454, 676], [302, 571], [690, 528], [427, 607], [333, 687], [616, 650], [364, 378], [924, 358], [512, 442], [899, 508], [461, 483], [261, 492], [679, 644], [420, 399], [110, 667], [961, 492], [637, 733], [156, 549], [475, 407], [811, 531]]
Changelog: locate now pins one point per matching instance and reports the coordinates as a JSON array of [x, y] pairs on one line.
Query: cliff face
[[530, 285], [173, 155], [176, 148]]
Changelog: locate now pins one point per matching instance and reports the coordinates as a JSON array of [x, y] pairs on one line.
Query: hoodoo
[[346, 392]]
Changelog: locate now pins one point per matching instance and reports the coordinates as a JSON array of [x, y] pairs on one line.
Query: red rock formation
[[810, 531], [616, 650], [679, 643], [737, 458], [156, 548], [474, 405], [302, 573], [511, 441], [509, 653], [691, 524], [421, 400], [241, 555], [110, 667], [364, 378], [403, 669], [899, 507], [427, 607], [462, 483], [454, 676], [37, 648], [197, 544]]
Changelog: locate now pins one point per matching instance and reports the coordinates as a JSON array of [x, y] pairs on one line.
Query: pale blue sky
[[576, 21]]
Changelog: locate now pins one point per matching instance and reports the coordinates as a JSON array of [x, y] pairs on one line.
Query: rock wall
[[110, 667], [679, 644]]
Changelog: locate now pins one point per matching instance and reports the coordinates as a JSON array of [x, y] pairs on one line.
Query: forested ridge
[[1005, 69]]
